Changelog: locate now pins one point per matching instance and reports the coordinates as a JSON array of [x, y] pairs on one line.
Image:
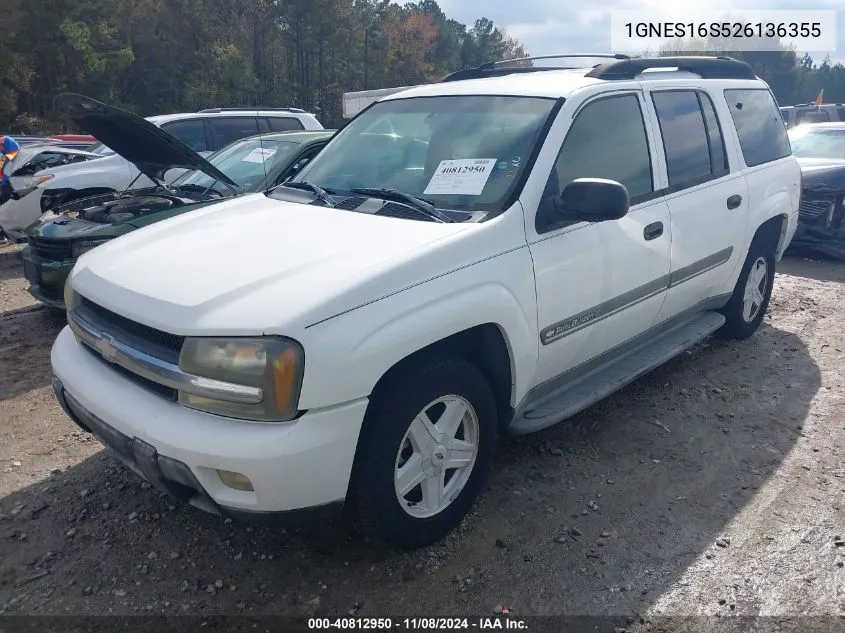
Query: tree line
[[793, 78], [160, 56]]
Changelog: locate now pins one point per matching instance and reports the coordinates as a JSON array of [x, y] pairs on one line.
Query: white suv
[[486, 255], [204, 132]]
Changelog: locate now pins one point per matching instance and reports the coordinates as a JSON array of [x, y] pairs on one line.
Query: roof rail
[[561, 56], [704, 67], [499, 68], [296, 110]]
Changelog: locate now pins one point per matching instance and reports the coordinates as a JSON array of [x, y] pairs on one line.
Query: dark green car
[[250, 165]]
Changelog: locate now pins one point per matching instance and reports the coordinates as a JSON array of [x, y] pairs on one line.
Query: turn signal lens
[[238, 481]]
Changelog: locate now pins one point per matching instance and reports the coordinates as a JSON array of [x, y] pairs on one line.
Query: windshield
[[252, 163], [810, 143], [460, 152]]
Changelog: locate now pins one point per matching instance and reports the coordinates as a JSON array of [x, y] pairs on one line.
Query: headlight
[[274, 365], [40, 180], [70, 296], [83, 246]]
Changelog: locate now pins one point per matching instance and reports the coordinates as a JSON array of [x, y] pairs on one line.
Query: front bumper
[[821, 225], [299, 470], [46, 278]]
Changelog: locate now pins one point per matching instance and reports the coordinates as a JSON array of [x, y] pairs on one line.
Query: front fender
[[347, 355]]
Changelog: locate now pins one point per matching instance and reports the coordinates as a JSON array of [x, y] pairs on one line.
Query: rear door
[[191, 132], [227, 130], [706, 193]]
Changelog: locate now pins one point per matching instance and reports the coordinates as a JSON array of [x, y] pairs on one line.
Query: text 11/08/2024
[[417, 624]]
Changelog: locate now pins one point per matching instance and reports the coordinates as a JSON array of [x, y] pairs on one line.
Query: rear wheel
[[425, 452], [752, 293]]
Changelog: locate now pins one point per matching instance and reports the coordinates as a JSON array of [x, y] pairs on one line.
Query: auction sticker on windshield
[[464, 177], [258, 155]]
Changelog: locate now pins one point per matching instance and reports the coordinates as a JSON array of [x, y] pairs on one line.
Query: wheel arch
[[774, 233], [486, 346]]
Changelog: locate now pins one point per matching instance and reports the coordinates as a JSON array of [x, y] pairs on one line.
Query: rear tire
[[432, 415], [750, 299]]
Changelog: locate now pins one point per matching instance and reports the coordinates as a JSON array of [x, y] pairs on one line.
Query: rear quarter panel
[[774, 189]]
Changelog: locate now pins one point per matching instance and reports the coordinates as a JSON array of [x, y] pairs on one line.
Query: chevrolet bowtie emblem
[[106, 347]]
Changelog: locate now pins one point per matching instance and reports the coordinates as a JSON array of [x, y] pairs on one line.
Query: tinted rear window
[[812, 116], [762, 135], [230, 129], [285, 124]]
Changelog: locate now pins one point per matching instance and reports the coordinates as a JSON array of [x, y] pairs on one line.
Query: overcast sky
[[558, 26]]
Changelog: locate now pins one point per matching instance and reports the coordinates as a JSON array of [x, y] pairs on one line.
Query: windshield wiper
[[321, 193], [423, 206]]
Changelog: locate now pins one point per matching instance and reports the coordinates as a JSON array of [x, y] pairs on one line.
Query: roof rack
[[704, 67], [296, 110], [499, 68]]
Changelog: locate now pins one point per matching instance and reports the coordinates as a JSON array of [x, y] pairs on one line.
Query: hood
[[152, 150], [254, 265], [823, 174]]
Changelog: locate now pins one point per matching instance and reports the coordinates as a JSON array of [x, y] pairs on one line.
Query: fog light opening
[[235, 480]]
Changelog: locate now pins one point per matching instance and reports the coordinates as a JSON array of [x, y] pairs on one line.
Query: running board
[[576, 396]]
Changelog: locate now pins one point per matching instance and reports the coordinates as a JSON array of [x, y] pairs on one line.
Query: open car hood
[[152, 150]]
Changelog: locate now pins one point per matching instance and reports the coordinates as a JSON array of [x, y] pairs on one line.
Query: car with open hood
[[248, 165], [23, 173], [820, 150], [204, 132]]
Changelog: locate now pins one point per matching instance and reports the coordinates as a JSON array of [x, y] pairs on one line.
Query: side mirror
[[593, 200]]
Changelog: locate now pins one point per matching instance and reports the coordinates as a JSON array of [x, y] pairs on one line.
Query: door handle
[[734, 201], [653, 231]]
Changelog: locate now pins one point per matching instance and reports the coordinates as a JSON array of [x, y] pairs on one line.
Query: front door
[[599, 284]]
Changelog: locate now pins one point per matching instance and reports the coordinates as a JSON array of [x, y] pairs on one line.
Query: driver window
[[301, 162], [607, 139]]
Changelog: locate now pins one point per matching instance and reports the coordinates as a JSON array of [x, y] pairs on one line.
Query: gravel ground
[[713, 486]]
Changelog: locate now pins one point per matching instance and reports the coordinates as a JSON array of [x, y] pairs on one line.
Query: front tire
[[424, 453], [750, 300]]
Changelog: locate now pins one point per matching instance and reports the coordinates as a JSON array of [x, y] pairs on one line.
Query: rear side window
[[285, 124], [685, 139], [191, 132], [813, 116], [762, 135], [841, 113], [227, 130]]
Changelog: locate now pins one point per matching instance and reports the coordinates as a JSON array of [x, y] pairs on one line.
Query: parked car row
[[486, 255], [248, 165], [203, 132]]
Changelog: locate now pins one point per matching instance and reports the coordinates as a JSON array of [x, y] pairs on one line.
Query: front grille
[[161, 345], [814, 207], [162, 390], [52, 250]]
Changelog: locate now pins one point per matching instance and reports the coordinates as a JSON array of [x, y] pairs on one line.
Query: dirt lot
[[715, 485]]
